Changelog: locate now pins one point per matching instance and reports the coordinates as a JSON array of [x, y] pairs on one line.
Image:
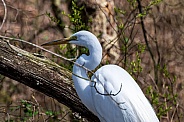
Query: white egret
[[111, 94]]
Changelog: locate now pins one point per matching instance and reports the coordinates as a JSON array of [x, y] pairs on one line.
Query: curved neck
[[95, 56], [82, 85], [90, 62]]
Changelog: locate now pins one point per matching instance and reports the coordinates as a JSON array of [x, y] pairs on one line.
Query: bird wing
[[118, 98]]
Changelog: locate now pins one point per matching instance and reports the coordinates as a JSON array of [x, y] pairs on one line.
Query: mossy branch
[[41, 74]]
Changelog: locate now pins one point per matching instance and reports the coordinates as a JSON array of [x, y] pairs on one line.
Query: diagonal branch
[[147, 43], [43, 75]]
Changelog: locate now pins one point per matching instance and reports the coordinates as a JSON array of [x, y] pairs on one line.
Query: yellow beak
[[60, 41], [57, 42]]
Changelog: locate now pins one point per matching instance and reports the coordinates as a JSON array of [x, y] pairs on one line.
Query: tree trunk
[[41, 74]]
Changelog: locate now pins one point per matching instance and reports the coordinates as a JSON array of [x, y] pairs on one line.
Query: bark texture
[[41, 74]]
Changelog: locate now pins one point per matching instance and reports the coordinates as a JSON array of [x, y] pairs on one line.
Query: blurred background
[[146, 40]]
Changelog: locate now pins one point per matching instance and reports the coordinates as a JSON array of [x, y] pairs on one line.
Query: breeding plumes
[[111, 94]]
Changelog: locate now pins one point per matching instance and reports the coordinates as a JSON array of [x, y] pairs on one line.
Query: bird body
[[111, 93], [124, 101]]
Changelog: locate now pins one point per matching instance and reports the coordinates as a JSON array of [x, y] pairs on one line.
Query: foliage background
[[154, 56]]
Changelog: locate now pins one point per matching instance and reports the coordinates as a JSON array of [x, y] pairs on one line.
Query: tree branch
[[41, 74], [147, 44]]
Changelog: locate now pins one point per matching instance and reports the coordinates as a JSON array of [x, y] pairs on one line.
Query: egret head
[[85, 39], [81, 38]]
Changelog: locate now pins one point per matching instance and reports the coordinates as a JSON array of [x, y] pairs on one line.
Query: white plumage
[[111, 94]]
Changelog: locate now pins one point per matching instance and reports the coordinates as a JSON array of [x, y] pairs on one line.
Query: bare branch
[[43, 75], [146, 41]]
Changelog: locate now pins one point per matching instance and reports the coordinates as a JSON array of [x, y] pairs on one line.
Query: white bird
[[111, 94]]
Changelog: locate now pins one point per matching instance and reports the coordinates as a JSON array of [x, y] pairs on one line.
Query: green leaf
[[49, 113]]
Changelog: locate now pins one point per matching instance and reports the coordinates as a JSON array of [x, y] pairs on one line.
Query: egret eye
[[73, 38]]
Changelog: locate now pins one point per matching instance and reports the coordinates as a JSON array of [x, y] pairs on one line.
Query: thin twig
[[5, 14], [110, 94], [20, 40], [172, 117], [55, 54], [106, 91]]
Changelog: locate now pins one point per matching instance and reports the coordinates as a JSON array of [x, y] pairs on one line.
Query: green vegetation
[[26, 110], [77, 24], [159, 84]]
